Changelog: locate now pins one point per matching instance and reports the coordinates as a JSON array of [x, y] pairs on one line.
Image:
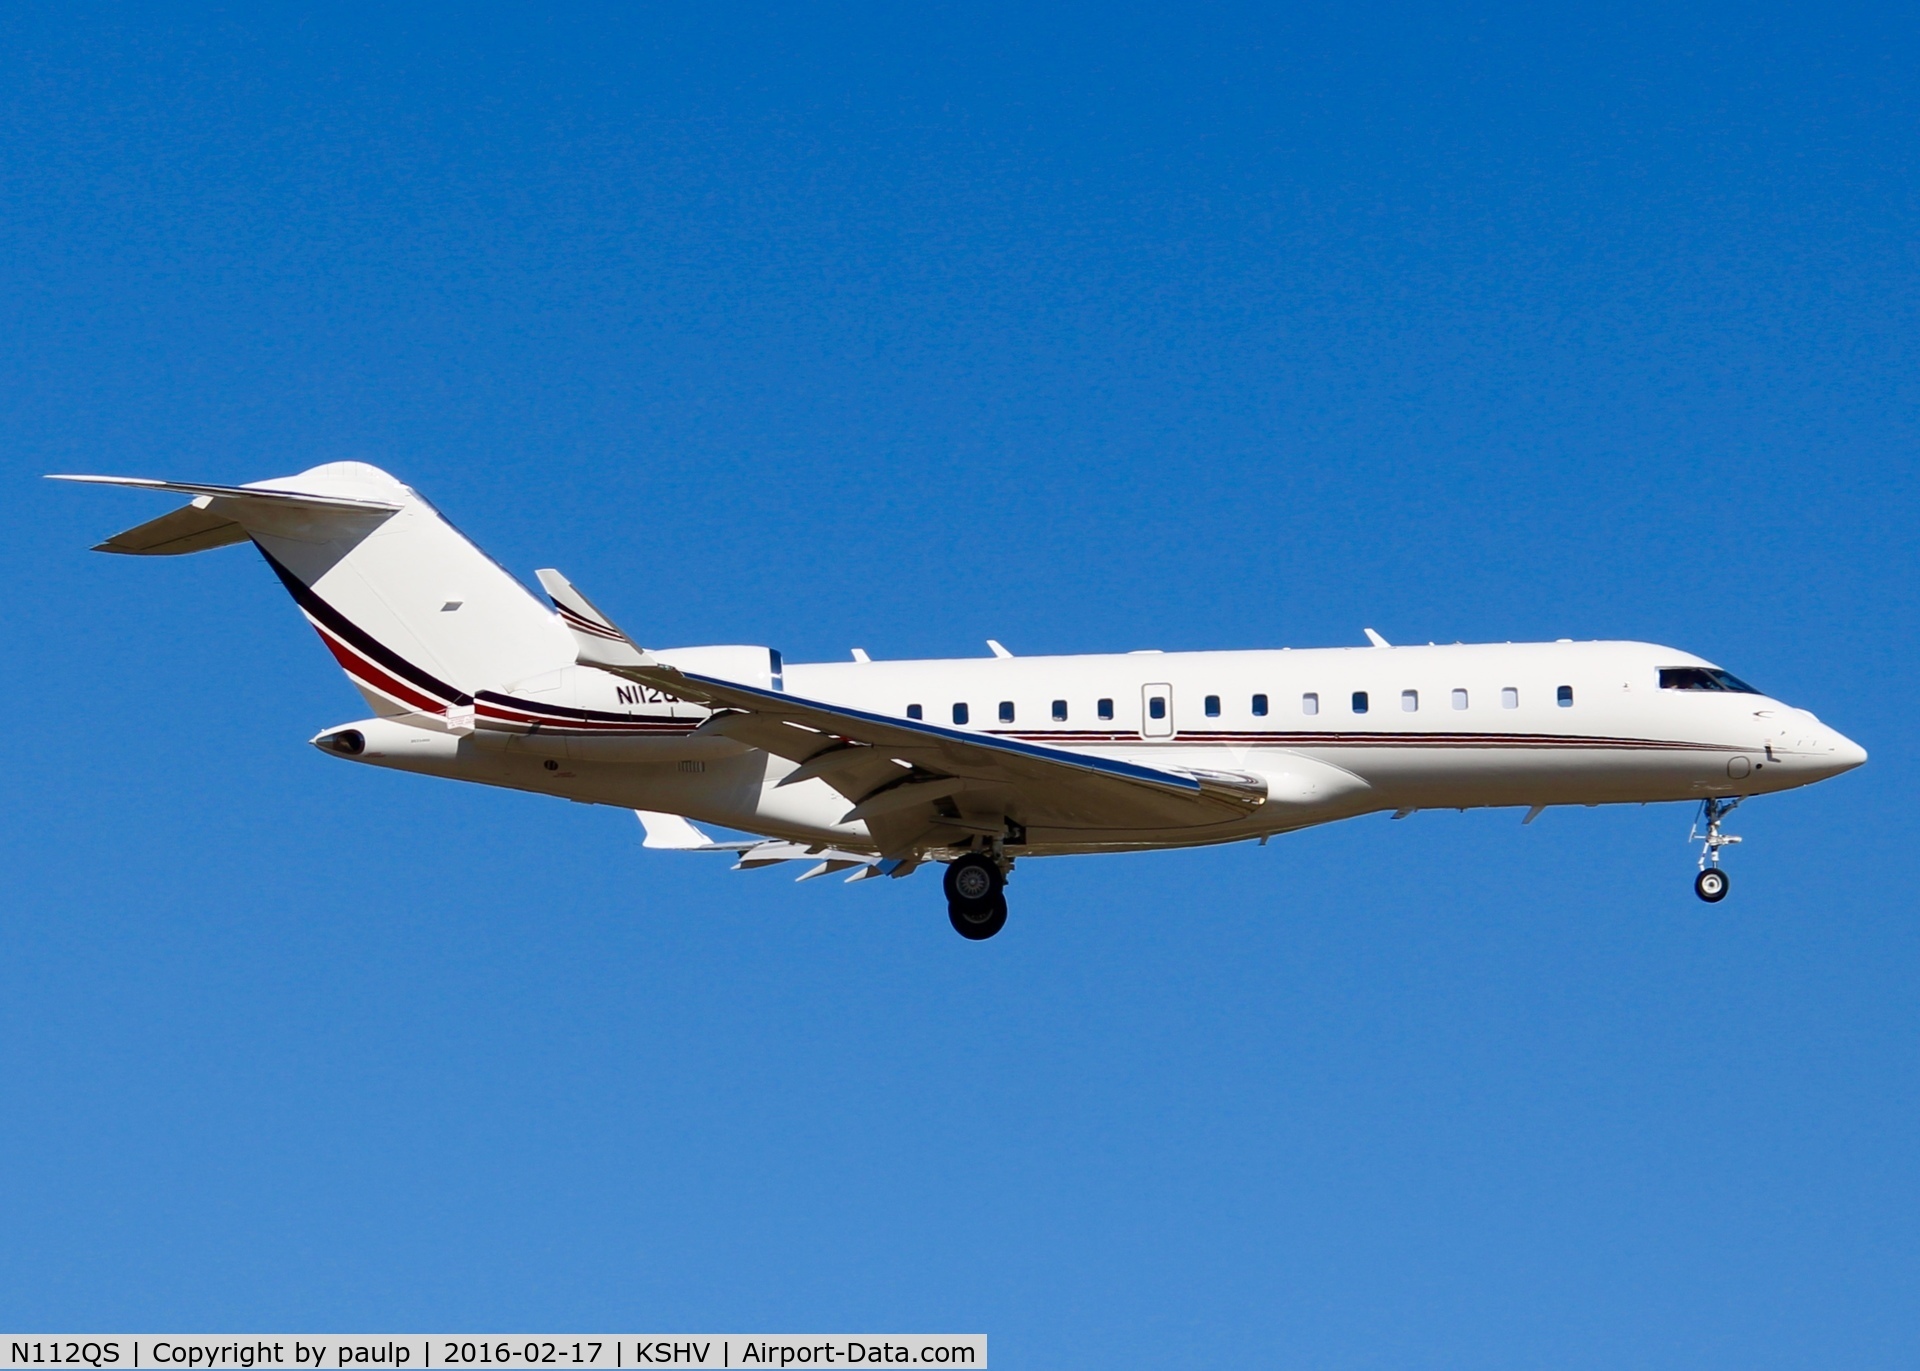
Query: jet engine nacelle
[[389, 742]]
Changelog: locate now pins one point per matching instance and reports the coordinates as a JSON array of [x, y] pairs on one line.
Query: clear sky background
[[1084, 328]]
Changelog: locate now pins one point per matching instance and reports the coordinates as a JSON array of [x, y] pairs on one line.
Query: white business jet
[[876, 768]]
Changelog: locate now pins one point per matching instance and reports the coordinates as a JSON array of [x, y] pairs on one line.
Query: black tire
[[976, 924], [1711, 885], [974, 883]]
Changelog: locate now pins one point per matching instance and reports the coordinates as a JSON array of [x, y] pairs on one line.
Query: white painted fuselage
[[1333, 732]]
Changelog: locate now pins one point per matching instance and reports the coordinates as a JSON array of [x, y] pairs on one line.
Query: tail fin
[[420, 619]]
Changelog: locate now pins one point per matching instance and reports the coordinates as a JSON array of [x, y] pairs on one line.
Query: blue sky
[[1082, 328]]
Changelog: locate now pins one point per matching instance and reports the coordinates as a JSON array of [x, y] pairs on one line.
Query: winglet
[[597, 641], [1376, 639]]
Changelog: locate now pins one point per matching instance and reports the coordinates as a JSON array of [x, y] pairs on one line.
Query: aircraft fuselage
[[1334, 731]]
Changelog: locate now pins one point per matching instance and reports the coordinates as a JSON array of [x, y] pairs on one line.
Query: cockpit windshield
[[1703, 678]]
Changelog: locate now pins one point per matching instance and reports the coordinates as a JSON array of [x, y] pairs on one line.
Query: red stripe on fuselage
[[360, 668], [357, 665], [554, 723]]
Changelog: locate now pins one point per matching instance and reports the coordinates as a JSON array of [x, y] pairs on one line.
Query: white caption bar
[[465, 1351]]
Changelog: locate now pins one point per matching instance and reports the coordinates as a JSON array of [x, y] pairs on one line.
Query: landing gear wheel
[[973, 881], [978, 922], [1711, 885], [976, 906]]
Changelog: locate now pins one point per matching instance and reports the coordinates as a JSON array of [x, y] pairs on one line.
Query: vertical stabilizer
[[418, 617]]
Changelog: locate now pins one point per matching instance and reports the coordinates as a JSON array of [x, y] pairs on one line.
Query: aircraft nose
[[1847, 754]]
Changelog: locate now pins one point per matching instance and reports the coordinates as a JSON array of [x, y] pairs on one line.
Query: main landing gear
[[1711, 884], [976, 898]]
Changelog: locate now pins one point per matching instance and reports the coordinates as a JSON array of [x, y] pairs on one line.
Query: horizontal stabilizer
[[216, 518], [190, 528], [261, 492]]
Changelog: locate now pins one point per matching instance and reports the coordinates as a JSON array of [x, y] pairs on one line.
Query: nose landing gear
[[1711, 884]]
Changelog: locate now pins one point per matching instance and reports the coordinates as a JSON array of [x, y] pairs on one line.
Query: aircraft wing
[[916, 784]]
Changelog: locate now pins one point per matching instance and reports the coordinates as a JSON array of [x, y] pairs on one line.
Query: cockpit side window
[[1703, 678]]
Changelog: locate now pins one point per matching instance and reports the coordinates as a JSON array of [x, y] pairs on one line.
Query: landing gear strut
[[976, 906], [1711, 884]]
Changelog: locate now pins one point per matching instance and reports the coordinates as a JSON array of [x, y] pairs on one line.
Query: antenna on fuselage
[[1376, 639]]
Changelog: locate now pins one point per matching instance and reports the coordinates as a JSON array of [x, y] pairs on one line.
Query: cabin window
[[1459, 699], [959, 714], [1310, 703], [1565, 696], [913, 711], [1213, 706], [1409, 700], [1359, 702], [1509, 697], [1259, 706], [1157, 707], [1104, 709], [1006, 711], [1703, 678], [1060, 711]]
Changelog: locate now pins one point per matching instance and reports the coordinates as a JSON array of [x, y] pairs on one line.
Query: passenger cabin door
[[1156, 711]]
